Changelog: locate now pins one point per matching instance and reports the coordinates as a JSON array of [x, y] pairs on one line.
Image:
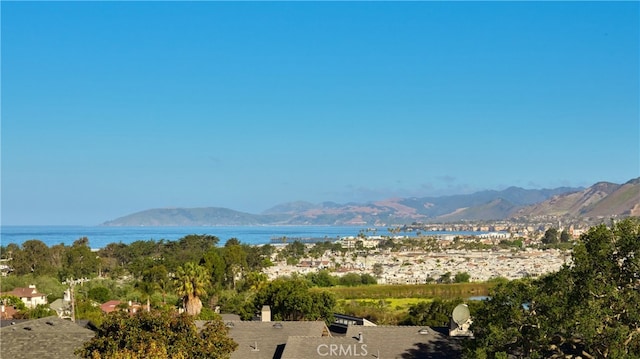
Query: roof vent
[[278, 325], [27, 328], [423, 331], [230, 325], [50, 323]]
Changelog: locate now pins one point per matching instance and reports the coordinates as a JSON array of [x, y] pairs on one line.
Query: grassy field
[[411, 292], [391, 304]]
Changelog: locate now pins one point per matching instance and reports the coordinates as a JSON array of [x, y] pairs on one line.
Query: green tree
[[550, 236], [238, 303], [33, 258], [322, 278], [435, 313], [255, 257], [503, 321], [12, 300], [158, 278], [290, 299], [190, 248], [99, 294], [295, 249], [588, 309], [445, 278], [235, 259], [254, 282], [158, 335], [368, 279], [350, 280], [40, 311], [461, 277], [215, 265], [565, 236], [80, 261], [191, 281]]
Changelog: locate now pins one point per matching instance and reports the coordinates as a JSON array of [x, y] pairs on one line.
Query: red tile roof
[[9, 312], [110, 306], [24, 293]]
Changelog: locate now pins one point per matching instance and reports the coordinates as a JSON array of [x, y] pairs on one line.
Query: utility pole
[[72, 296]]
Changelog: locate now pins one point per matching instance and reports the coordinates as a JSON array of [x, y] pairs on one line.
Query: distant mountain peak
[[598, 200], [290, 207], [601, 199]]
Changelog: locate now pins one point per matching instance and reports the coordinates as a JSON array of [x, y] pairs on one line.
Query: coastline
[[100, 236]]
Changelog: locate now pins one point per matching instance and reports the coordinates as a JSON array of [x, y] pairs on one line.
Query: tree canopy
[[589, 308], [158, 335], [291, 299]]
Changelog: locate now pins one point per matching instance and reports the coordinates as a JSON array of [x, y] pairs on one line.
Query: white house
[[29, 296]]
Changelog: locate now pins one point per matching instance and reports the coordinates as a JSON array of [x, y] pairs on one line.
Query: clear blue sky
[[114, 107]]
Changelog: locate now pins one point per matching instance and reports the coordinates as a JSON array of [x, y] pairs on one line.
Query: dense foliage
[[588, 309], [158, 335], [291, 299], [436, 313]]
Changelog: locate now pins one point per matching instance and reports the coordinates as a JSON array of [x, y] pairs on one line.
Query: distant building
[[29, 296], [7, 312], [130, 306], [63, 306], [495, 235], [342, 321]]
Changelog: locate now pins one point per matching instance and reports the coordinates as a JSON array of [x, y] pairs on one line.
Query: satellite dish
[[460, 314]]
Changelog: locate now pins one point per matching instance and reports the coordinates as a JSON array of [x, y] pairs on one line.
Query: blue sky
[[114, 107]]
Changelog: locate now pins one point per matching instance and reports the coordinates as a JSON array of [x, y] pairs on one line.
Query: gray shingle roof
[[43, 338], [269, 337], [384, 342]]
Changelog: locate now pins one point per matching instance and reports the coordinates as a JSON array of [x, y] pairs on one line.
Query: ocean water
[[100, 236]]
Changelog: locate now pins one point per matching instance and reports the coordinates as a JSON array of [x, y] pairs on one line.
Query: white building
[[29, 296]]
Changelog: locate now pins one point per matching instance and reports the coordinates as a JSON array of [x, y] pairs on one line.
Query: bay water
[[100, 236]]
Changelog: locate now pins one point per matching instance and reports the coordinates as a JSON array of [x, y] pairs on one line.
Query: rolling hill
[[601, 199]]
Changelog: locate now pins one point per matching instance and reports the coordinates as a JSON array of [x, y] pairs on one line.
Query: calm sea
[[100, 236]]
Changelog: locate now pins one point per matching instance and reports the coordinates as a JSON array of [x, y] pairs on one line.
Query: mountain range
[[603, 199]]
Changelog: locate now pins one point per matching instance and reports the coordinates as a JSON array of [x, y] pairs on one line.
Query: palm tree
[[191, 281], [147, 288]]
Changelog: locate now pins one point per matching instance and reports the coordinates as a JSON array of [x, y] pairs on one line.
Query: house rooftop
[[380, 341], [110, 306], [30, 292], [266, 340], [43, 338]]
